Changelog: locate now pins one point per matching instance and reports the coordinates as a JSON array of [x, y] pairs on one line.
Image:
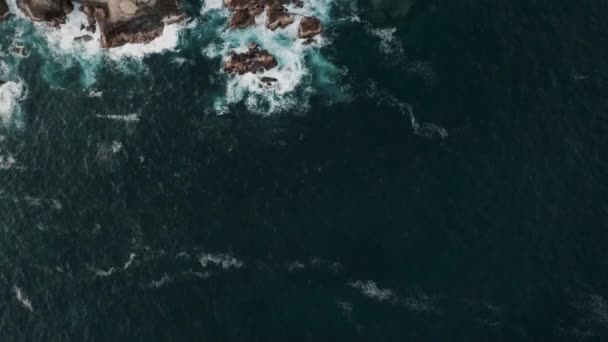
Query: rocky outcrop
[[242, 19], [253, 60], [50, 11], [309, 27], [130, 21], [277, 16], [4, 13]]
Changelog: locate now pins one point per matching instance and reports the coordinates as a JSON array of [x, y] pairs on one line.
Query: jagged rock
[[130, 21], [253, 60], [2, 82], [4, 12], [18, 50], [242, 19], [309, 27], [309, 41], [277, 16], [50, 11], [268, 80], [83, 39]]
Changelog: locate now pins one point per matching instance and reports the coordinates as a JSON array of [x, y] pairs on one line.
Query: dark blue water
[[340, 219]]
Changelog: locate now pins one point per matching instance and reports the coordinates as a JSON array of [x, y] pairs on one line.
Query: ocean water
[[426, 171]]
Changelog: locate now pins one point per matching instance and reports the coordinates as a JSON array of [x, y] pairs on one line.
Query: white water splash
[[22, 298], [224, 261], [371, 290], [11, 93]]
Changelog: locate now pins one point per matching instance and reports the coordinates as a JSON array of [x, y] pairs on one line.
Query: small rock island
[[244, 12]]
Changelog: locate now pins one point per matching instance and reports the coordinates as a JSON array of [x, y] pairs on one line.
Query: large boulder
[[242, 19], [4, 13], [277, 16], [122, 22], [309, 27], [50, 11], [253, 60]]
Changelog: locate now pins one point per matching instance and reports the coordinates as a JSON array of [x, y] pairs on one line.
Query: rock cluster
[[244, 13], [253, 60]]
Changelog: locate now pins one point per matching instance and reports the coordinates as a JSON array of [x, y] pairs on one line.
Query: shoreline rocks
[[53, 12], [309, 27], [4, 11], [254, 60], [122, 22]]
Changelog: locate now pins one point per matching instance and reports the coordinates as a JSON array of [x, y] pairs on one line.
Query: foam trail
[[23, 299], [133, 117]]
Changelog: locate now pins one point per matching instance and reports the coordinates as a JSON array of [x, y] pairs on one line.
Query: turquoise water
[[433, 171]]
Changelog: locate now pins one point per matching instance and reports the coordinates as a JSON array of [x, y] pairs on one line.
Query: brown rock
[[144, 21], [254, 60], [242, 19], [309, 27], [277, 16], [52, 12], [4, 12]]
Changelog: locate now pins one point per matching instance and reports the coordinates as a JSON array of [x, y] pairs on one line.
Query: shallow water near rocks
[[434, 173]]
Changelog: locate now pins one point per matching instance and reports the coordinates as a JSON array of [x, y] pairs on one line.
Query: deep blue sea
[[427, 171]]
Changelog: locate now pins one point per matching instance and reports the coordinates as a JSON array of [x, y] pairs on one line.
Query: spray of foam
[[10, 95], [296, 61]]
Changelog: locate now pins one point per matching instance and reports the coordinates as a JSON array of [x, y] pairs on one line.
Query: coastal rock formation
[[242, 19], [50, 11], [253, 60], [309, 27], [277, 16], [4, 13], [130, 21]]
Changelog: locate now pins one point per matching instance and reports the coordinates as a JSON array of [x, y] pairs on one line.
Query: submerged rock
[[50, 11], [4, 12], [309, 27], [253, 60]]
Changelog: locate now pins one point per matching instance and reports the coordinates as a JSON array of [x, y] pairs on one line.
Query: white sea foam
[[371, 290], [224, 261], [7, 162], [133, 117], [160, 282], [23, 299], [389, 43], [130, 261], [104, 273], [10, 94]]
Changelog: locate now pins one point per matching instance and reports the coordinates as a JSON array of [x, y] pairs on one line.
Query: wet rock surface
[[4, 12], [309, 27], [50, 11], [122, 22], [253, 60]]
